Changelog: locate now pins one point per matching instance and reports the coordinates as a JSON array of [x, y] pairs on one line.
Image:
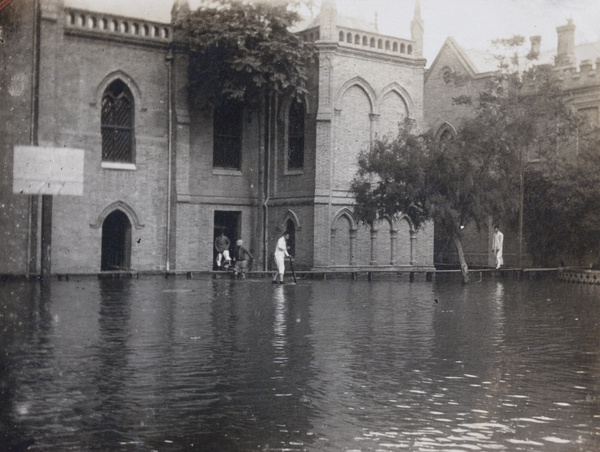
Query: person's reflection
[[499, 294], [280, 327]]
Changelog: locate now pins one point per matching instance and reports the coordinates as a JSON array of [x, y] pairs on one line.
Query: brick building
[[161, 178], [458, 71]]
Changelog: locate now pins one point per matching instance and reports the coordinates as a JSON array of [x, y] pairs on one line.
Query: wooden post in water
[[46, 239]]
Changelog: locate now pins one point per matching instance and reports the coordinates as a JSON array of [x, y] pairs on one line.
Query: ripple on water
[[162, 364]]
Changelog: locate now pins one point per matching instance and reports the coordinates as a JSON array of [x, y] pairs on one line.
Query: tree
[[562, 206], [479, 173], [243, 50], [449, 183]]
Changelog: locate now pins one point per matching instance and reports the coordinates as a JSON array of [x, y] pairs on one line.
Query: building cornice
[[110, 27]]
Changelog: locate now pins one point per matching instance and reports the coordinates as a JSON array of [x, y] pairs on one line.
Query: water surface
[[336, 365]]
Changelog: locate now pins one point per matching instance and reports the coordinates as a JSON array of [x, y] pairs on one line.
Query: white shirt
[[498, 241], [281, 248]]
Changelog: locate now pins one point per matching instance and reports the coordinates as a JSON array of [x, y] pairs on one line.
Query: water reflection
[[107, 414], [169, 365], [279, 327]]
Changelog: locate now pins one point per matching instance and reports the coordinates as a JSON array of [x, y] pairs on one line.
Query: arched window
[[290, 227], [227, 135], [446, 136], [296, 136], [117, 123]]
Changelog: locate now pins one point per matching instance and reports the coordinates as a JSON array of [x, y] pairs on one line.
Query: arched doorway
[[116, 242], [290, 227]]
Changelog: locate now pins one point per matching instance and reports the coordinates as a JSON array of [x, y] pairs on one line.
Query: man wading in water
[[280, 254], [222, 247], [241, 264], [497, 245]]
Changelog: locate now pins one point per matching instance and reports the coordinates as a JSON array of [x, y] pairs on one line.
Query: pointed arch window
[[296, 118], [227, 135], [117, 123], [446, 136]]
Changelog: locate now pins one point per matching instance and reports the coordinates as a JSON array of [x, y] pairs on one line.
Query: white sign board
[[48, 171]]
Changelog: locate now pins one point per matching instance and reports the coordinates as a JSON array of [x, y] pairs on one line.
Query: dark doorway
[[290, 227], [116, 242], [229, 223]]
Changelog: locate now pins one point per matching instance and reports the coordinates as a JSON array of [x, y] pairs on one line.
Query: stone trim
[[123, 207], [579, 276]]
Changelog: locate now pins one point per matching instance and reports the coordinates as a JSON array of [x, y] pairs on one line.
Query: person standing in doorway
[[497, 245], [222, 246], [280, 254], [241, 263]]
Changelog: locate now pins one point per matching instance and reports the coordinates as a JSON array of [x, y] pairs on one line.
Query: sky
[[473, 23]]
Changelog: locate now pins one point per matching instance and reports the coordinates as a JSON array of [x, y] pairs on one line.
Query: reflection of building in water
[[128, 108]]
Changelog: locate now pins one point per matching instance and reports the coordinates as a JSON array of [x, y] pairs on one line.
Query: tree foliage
[[477, 175], [244, 49], [454, 183], [562, 207]]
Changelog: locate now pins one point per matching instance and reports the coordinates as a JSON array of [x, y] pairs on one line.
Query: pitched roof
[[584, 51], [353, 23], [475, 62], [480, 62]]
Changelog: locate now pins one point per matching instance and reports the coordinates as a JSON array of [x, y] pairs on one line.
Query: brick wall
[[15, 129], [368, 96], [74, 71]]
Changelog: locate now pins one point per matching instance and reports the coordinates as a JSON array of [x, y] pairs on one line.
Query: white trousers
[[499, 260], [280, 262]]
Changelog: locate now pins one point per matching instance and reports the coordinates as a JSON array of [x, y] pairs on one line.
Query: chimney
[[585, 66], [565, 52], [536, 44]]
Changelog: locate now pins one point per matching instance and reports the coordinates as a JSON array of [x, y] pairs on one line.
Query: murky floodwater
[[218, 365]]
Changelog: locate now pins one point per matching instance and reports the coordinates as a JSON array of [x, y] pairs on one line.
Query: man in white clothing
[[497, 244], [280, 254]]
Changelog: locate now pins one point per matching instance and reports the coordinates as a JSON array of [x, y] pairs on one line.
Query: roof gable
[[473, 62]]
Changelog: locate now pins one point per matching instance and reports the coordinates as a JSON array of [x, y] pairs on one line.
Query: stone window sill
[[119, 166], [226, 172]]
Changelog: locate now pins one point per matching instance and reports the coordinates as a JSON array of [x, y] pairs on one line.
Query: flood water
[[217, 365]]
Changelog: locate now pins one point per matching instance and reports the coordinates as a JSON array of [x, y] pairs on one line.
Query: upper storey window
[[296, 136], [227, 135], [117, 123]]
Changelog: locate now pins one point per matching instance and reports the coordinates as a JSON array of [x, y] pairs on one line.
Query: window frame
[[229, 115], [111, 126], [296, 137]]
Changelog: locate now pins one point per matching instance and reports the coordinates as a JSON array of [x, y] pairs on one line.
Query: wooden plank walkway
[[409, 273]]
